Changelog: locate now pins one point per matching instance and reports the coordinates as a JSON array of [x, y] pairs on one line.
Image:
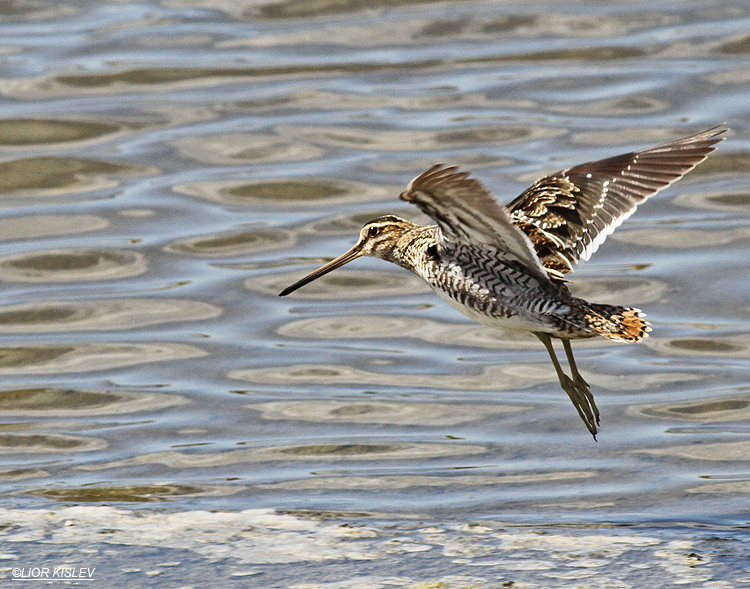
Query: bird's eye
[[372, 231]]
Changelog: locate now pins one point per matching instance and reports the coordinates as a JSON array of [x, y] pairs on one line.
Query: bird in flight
[[503, 266]]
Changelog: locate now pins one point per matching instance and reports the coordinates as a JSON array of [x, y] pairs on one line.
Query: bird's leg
[[577, 389], [578, 379]]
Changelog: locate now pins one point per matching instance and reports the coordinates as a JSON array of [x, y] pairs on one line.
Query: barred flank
[[618, 323]]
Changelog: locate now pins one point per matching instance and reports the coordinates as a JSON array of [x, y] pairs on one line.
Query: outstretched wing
[[568, 215], [467, 213]]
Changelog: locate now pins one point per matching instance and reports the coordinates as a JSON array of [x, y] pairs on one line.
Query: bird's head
[[378, 238]]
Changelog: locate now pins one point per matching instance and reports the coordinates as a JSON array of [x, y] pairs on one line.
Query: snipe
[[503, 266]]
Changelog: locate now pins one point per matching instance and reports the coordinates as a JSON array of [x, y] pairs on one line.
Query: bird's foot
[[580, 394]]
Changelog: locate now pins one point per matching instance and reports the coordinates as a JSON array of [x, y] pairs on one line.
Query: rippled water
[[168, 167]]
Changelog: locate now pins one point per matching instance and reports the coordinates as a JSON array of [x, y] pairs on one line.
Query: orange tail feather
[[618, 323]]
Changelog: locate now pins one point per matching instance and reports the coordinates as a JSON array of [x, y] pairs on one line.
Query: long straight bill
[[352, 254]]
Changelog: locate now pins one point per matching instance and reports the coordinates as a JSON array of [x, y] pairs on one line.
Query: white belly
[[513, 323]]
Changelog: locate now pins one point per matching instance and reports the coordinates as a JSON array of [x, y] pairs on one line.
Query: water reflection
[[101, 315], [24, 132], [72, 265], [50, 176], [43, 443], [717, 201], [241, 148], [615, 290], [51, 402], [676, 238], [235, 243], [727, 346], [739, 45], [325, 453], [349, 225], [20, 474], [286, 192], [629, 105], [33, 11], [301, 9], [129, 493], [729, 162], [30, 226], [735, 408], [53, 359], [381, 139], [706, 451], [349, 284], [468, 160], [725, 489], [418, 483], [401, 413], [491, 378], [157, 79], [385, 326]]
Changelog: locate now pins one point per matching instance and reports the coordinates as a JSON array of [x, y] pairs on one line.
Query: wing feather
[[467, 213], [567, 215]]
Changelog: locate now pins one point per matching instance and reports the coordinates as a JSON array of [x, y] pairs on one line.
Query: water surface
[[166, 168]]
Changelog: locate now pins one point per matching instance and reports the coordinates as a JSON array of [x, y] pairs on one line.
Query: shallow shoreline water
[[266, 548]]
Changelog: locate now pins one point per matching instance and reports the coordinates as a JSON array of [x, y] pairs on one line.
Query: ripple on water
[[233, 243], [242, 148], [72, 265], [416, 165], [31, 132], [157, 79], [30, 226], [631, 105], [347, 284], [735, 346], [51, 176], [57, 402], [126, 493], [411, 482], [475, 26], [340, 452], [280, 192], [721, 162], [378, 138], [50, 359], [713, 410], [713, 487], [386, 413], [736, 45], [34, 11], [303, 9], [495, 378], [41, 443], [717, 201], [391, 326], [490, 378], [404, 31], [675, 238], [101, 314], [704, 451], [617, 290], [350, 224], [628, 137], [20, 474], [309, 100], [269, 128]]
